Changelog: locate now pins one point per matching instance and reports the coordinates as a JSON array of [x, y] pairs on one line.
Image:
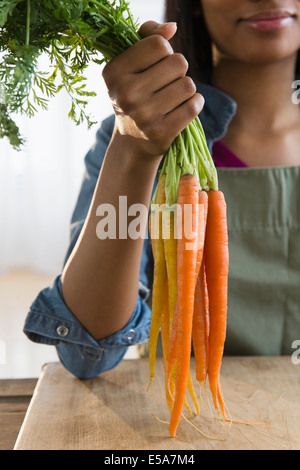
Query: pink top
[[224, 157]]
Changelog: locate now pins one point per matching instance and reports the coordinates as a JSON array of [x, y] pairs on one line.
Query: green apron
[[263, 211]]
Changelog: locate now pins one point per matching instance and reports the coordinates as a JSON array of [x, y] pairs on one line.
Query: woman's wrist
[[130, 155]]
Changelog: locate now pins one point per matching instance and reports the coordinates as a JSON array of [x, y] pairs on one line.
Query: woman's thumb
[[167, 30]]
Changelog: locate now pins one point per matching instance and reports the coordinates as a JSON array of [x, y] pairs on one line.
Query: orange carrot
[[200, 323], [216, 265], [200, 327], [203, 207], [172, 352], [187, 249], [170, 246], [165, 347], [206, 301], [171, 367], [165, 325]]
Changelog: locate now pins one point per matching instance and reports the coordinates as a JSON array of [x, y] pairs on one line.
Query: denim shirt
[[50, 321]]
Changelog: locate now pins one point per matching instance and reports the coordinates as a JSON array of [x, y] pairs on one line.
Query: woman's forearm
[[100, 279]]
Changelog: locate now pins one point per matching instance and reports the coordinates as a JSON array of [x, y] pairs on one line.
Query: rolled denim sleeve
[[50, 321]]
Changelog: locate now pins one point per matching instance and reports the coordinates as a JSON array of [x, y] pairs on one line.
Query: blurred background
[[38, 189]]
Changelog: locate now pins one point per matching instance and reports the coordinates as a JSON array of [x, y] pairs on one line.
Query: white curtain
[[39, 185]]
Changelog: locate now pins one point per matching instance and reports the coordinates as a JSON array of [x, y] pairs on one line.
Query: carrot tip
[[150, 381]]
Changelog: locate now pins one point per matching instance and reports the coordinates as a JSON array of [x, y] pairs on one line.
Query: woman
[[242, 57]]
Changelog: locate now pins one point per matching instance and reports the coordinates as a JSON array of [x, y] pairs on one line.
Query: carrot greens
[[72, 33]]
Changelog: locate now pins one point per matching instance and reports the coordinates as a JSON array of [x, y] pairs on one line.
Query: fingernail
[[163, 26]]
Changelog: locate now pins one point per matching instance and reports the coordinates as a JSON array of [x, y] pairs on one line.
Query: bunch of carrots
[[189, 298]]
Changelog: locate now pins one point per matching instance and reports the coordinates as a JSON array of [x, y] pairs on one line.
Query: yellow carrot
[[159, 278]]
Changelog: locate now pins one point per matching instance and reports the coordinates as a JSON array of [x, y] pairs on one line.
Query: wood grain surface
[[15, 396], [115, 412]]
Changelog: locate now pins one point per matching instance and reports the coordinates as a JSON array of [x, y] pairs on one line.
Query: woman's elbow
[[85, 362]]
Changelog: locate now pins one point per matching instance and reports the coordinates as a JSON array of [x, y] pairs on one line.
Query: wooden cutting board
[[115, 412]]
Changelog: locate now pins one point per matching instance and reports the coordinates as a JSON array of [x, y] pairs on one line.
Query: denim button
[[62, 331], [130, 334]]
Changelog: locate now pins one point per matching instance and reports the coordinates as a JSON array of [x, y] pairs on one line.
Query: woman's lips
[[271, 20]]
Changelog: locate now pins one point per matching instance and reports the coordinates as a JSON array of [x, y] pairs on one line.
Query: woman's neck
[[263, 93], [265, 129]]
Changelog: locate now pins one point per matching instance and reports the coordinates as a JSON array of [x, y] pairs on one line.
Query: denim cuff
[[50, 321]]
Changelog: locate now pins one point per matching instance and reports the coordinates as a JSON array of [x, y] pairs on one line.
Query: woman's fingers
[[153, 98], [164, 101], [179, 118], [137, 58], [166, 71], [161, 129], [174, 95], [167, 30]]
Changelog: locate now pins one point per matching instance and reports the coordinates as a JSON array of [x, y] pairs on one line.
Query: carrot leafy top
[[73, 33]]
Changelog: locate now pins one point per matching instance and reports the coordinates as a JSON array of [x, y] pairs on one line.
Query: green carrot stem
[[27, 24], [199, 127], [130, 30], [187, 167], [190, 145], [204, 156]]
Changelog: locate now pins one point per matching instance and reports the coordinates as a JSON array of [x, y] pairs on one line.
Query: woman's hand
[[152, 97]]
